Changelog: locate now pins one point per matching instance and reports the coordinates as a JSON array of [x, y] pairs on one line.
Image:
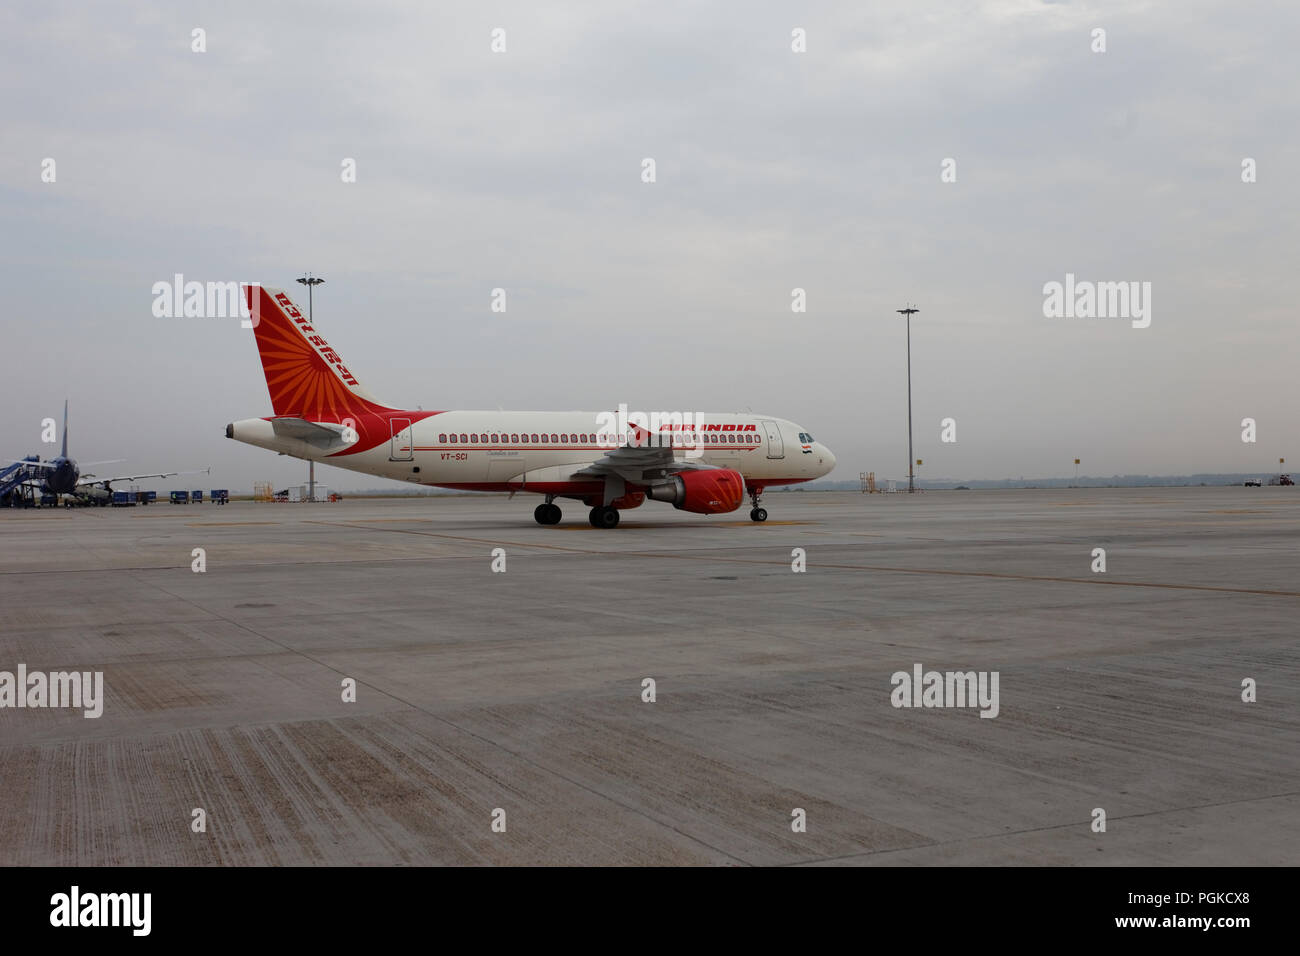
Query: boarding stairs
[[13, 481]]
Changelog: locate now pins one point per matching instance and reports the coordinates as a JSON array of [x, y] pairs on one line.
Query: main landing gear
[[756, 513], [547, 513], [603, 516]]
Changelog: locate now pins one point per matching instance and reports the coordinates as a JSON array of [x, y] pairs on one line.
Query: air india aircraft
[[703, 463]]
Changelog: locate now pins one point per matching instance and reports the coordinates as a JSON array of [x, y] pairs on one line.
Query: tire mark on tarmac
[[462, 730], [1046, 829], [1002, 575]]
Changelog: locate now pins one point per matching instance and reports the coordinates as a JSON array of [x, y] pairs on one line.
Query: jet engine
[[705, 492]]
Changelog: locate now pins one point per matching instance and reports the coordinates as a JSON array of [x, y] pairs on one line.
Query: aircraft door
[[775, 446], [402, 445]]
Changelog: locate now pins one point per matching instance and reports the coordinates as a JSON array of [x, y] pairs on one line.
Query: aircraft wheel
[[758, 514], [603, 517], [548, 514]]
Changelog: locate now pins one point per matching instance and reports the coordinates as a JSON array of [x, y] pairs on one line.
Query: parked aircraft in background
[[63, 476]]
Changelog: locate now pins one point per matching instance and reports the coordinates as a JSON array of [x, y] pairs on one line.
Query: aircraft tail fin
[[305, 376], [64, 452]]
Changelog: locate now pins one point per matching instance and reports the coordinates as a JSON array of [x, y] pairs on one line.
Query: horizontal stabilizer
[[323, 435]]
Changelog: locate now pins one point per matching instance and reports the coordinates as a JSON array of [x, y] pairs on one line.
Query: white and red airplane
[[703, 463]]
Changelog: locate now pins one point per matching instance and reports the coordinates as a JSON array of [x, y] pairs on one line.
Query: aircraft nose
[[827, 458]]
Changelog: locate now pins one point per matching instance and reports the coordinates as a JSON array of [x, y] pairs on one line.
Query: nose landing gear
[[756, 513]]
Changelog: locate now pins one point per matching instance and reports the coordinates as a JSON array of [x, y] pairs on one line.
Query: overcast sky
[[775, 170]]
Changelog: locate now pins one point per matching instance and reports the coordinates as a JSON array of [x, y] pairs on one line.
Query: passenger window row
[[571, 438]]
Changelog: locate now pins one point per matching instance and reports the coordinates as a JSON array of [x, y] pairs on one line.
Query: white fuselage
[[500, 450]]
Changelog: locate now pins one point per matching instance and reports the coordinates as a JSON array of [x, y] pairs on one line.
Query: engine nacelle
[[706, 492]]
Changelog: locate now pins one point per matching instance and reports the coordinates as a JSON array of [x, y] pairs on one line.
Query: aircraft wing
[[643, 459], [92, 480], [47, 464], [87, 480]]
